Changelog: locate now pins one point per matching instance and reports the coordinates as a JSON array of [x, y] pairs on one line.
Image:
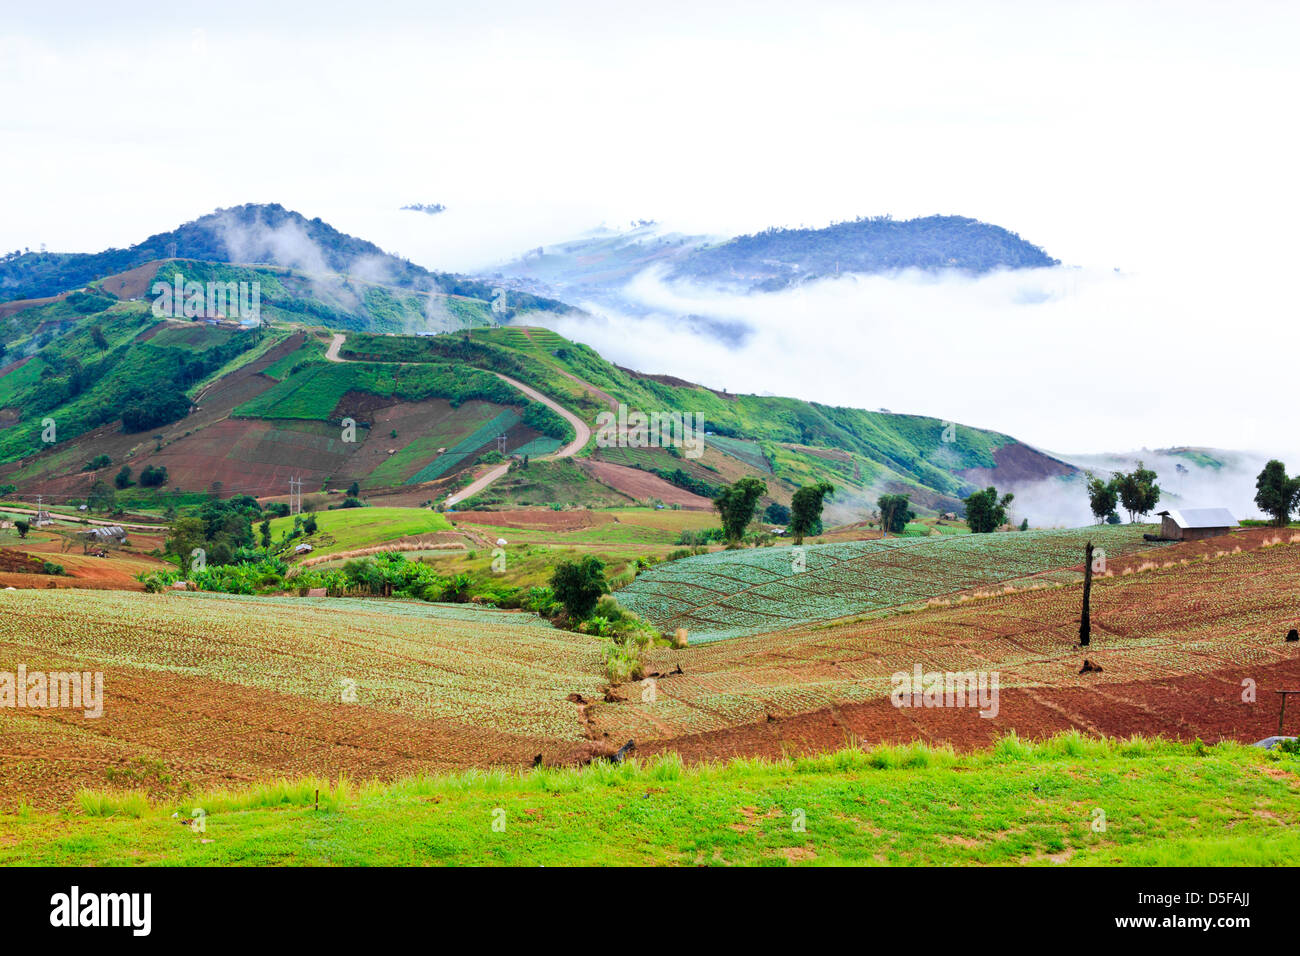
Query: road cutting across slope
[[582, 431]]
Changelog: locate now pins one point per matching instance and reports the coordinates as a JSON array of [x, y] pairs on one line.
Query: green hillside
[[240, 407]]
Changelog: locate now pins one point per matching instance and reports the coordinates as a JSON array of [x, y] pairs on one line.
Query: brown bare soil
[[642, 485], [19, 563], [535, 519], [134, 283], [1015, 464], [1208, 706], [1246, 539], [15, 306], [208, 733]]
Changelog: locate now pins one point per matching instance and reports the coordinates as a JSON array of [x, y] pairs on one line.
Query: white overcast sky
[[1157, 138]]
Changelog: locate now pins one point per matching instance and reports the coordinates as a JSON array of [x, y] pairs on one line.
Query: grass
[[347, 529], [543, 483], [1069, 800]]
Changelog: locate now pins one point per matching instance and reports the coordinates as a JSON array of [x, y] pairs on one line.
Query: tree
[[1138, 491], [309, 524], [23, 527], [735, 504], [265, 529], [185, 535], [1102, 497], [777, 513], [153, 476], [895, 513], [123, 479], [1276, 494], [97, 336], [985, 511], [578, 585], [806, 508], [354, 490], [102, 497]]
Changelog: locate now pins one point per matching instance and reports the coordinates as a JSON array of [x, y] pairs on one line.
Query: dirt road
[[581, 430]]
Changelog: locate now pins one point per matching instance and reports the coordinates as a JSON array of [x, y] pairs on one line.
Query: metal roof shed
[[1192, 524]]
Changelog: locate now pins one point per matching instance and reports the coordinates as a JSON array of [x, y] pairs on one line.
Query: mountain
[[252, 234], [234, 410], [777, 258], [599, 264]]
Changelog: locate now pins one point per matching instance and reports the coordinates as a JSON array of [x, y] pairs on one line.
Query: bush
[[578, 585], [150, 411]]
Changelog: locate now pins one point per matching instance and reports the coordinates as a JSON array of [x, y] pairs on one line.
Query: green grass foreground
[[1017, 803]]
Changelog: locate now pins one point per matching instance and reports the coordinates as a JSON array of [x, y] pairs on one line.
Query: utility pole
[[295, 495], [1085, 622], [501, 444]]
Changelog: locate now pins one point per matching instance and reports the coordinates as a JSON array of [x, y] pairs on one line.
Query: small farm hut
[[1193, 524]]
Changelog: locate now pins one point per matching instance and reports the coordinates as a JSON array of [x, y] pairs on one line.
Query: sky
[[1149, 146]]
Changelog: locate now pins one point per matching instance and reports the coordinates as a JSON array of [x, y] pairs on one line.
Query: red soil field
[[642, 485], [540, 519], [210, 733], [1208, 706]]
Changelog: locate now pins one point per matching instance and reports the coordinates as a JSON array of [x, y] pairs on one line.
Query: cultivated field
[[201, 689], [733, 593], [1175, 643], [207, 690]]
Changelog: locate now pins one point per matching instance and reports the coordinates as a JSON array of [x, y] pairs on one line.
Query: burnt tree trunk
[[1085, 622]]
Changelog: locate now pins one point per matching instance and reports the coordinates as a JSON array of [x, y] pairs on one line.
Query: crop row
[[750, 589]]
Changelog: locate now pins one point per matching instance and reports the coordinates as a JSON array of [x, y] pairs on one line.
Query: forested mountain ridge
[[776, 258]]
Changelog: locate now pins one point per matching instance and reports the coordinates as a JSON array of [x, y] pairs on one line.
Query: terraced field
[[733, 593], [214, 688], [1175, 643], [456, 454]]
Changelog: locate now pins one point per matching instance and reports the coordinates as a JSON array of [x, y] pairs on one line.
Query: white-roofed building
[[1193, 524]]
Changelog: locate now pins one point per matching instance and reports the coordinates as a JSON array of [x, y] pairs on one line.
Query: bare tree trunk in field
[[1085, 623]]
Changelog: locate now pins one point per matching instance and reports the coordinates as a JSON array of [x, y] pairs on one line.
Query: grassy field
[[543, 483], [315, 391], [1070, 800], [347, 529]]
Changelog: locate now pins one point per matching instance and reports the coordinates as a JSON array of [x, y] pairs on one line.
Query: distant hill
[[598, 265], [776, 258], [252, 234]]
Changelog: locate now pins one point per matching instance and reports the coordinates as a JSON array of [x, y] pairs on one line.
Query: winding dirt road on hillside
[[581, 429]]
